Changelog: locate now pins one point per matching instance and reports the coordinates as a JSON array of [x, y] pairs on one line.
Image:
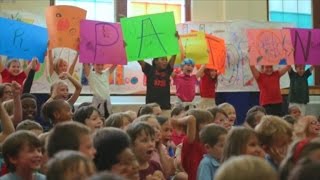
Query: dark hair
[[215, 110], [84, 104], [161, 119], [236, 141], [106, 176], [66, 136], [136, 128], [177, 109], [210, 134], [15, 142], [109, 143], [28, 95], [306, 169], [255, 109], [202, 116], [2, 87], [147, 109], [48, 109], [115, 120], [28, 125], [290, 119], [65, 161], [83, 113]]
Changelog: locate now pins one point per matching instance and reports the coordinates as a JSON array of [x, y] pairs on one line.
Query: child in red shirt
[[13, 71], [207, 86], [269, 84], [192, 149]]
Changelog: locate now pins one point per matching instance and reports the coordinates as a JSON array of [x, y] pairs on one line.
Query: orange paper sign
[[217, 56], [63, 24]]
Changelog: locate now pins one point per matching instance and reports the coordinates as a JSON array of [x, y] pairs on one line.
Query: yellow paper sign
[[63, 24], [194, 46]]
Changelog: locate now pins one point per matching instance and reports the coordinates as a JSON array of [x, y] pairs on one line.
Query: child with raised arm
[[186, 81], [99, 85], [208, 85], [56, 67], [60, 89], [269, 84], [14, 72], [158, 81], [299, 89]]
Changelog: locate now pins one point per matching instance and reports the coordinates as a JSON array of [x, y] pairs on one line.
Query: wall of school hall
[[222, 10]]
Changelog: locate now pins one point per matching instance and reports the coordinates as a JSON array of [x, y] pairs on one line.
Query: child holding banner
[[207, 86], [58, 66], [186, 82], [158, 81], [13, 71], [299, 89], [99, 85], [269, 84]]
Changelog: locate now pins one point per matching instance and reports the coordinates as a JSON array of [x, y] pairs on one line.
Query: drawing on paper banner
[[270, 47], [101, 43], [63, 24]]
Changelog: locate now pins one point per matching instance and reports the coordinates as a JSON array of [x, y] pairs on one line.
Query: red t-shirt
[[177, 138], [153, 167], [269, 86], [186, 86], [207, 86], [191, 155], [7, 77]]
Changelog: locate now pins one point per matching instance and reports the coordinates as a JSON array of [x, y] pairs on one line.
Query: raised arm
[[74, 62], [142, 63], [7, 125], [31, 65], [190, 122], [200, 72], [112, 68], [255, 72], [77, 91], [50, 62], [283, 70], [172, 60], [17, 113], [29, 80], [86, 69]]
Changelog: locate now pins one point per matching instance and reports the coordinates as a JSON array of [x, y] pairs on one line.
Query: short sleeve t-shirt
[[186, 86], [269, 86], [99, 84], [158, 85], [299, 90], [207, 86], [153, 166], [191, 156], [7, 77]]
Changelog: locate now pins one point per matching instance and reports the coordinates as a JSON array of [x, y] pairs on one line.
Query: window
[[298, 12], [141, 7], [101, 10]]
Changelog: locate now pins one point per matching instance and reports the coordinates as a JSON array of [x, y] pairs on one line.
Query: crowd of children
[[187, 141]]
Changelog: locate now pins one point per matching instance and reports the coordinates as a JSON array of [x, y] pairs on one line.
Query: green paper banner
[[150, 36]]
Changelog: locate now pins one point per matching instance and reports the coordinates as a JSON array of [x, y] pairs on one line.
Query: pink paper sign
[[101, 43], [270, 47]]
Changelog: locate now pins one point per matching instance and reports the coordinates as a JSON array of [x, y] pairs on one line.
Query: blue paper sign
[[22, 40]]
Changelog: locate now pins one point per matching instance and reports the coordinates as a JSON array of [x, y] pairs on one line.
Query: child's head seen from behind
[[118, 120], [219, 117], [57, 111], [30, 125]]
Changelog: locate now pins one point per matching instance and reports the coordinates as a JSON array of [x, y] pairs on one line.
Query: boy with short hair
[[22, 155], [213, 137], [275, 135], [30, 125]]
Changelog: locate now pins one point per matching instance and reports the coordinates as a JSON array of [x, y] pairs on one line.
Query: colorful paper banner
[[63, 24], [306, 43], [217, 53], [150, 36], [194, 46], [21, 40], [270, 47], [101, 43]]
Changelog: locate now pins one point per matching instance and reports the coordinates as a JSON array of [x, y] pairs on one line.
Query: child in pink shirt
[[186, 81]]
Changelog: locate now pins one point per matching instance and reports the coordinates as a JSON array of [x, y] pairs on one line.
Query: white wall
[[222, 10]]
